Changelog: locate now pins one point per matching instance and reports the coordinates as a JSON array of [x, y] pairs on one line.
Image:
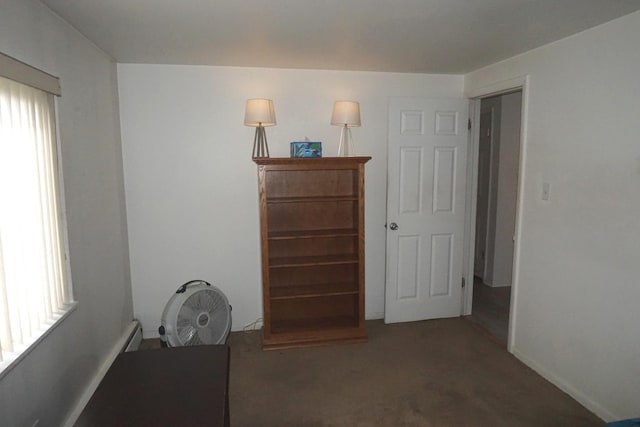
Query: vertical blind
[[34, 289]]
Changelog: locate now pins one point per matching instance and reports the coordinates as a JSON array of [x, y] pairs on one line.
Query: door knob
[[393, 226]]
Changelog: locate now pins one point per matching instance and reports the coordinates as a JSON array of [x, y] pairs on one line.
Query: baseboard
[[563, 385], [374, 316], [119, 347], [498, 285], [135, 339]]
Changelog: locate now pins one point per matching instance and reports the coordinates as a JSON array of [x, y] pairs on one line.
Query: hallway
[[491, 309]]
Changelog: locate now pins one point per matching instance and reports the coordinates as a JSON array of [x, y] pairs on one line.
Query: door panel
[[426, 201], [444, 179], [441, 257], [410, 180], [408, 259]]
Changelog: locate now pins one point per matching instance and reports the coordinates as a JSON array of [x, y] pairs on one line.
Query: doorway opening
[[498, 168]]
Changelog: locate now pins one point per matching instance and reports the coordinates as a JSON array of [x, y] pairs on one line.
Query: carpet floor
[[433, 373], [491, 309], [437, 373]]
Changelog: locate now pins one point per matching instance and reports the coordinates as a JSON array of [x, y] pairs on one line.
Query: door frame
[[475, 96]]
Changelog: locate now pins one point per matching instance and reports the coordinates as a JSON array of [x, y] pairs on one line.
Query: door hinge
[[469, 124], [463, 282]]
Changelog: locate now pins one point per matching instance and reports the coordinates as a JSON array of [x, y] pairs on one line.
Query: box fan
[[198, 313]]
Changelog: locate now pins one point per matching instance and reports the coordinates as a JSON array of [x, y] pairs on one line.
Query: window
[[34, 289]]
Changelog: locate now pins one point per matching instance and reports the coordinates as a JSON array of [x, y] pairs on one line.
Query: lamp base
[[345, 149], [260, 147]]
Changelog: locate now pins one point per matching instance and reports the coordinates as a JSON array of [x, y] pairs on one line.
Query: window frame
[[25, 74]]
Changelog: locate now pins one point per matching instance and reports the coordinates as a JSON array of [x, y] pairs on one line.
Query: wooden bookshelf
[[312, 240]]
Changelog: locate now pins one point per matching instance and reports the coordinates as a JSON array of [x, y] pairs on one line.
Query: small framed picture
[[306, 149]]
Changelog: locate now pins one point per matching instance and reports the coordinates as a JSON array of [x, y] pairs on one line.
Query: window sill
[[11, 360]]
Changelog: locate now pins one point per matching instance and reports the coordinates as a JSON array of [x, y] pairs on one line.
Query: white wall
[[504, 189], [503, 186], [510, 113], [577, 290], [47, 383], [492, 106], [191, 185]]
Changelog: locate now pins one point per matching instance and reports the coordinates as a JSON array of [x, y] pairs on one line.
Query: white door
[[427, 162]]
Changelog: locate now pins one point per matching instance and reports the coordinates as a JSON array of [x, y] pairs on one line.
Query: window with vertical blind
[[35, 291]]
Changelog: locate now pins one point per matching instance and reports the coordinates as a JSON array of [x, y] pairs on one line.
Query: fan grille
[[202, 319]]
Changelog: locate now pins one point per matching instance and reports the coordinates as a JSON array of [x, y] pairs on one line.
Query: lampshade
[[346, 113], [259, 111]]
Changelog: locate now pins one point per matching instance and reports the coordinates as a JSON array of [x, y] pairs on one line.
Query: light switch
[[545, 190]]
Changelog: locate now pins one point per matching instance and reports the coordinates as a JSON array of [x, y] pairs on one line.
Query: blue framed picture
[[306, 149]]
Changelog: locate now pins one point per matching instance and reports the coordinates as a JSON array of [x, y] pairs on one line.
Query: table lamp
[[347, 115], [260, 113]]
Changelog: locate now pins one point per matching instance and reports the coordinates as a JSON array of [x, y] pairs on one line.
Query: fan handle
[[183, 288]]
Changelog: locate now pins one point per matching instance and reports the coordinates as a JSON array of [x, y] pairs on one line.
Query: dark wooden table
[[180, 386]]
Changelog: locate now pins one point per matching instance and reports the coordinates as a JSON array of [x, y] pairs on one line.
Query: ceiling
[[413, 36]]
